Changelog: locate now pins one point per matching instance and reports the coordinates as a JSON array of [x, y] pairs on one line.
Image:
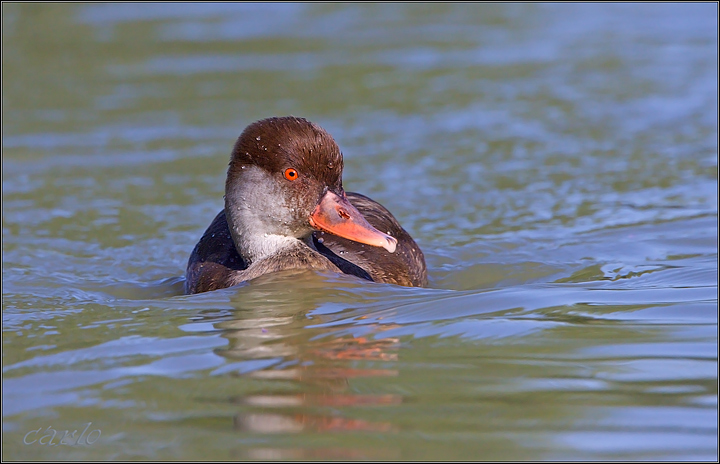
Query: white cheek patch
[[257, 196], [260, 215]]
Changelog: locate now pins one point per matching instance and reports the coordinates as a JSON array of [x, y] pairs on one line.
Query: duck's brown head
[[283, 182]]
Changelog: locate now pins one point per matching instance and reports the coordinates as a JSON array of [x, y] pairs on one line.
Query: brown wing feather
[[406, 266]]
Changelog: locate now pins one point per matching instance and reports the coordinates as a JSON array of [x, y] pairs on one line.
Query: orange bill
[[335, 215]]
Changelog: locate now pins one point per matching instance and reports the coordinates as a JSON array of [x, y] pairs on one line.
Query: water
[[557, 164]]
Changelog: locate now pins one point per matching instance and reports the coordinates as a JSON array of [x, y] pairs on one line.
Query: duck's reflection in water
[[316, 368], [349, 454]]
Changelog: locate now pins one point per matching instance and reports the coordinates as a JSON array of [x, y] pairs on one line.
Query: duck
[[286, 209]]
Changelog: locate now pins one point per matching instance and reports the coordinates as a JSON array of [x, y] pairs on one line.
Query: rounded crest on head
[[276, 144]]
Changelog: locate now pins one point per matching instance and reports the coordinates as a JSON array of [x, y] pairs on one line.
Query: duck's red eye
[[291, 174]]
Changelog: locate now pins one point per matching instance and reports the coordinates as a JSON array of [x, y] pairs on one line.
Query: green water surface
[[556, 163]]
